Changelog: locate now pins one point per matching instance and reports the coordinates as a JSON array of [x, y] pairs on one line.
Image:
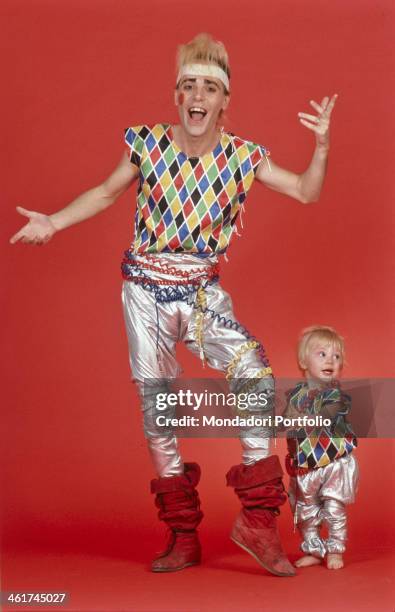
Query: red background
[[75, 466]]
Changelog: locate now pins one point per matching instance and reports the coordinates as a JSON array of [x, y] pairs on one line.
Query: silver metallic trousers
[[153, 330], [318, 498]]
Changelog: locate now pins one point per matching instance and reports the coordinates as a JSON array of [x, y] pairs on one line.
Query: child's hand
[[329, 411], [291, 412]]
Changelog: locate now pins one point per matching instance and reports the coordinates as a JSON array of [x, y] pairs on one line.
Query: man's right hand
[[38, 230], [41, 227]]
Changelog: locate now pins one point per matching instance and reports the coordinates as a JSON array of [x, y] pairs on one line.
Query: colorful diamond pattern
[[318, 447], [188, 204]]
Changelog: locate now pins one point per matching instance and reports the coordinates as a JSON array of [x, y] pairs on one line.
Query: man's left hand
[[319, 123]]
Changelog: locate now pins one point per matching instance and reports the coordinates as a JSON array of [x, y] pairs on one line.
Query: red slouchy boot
[[179, 507], [261, 492]]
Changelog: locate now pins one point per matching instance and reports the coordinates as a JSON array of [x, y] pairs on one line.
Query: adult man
[[193, 182]]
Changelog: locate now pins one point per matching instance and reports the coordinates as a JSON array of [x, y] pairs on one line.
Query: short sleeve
[[135, 139], [258, 153], [336, 396], [249, 155]]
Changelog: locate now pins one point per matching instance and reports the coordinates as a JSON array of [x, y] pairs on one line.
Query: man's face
[[200, 100], [323, 362]]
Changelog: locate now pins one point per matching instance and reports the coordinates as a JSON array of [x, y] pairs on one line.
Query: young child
[[320, 461]]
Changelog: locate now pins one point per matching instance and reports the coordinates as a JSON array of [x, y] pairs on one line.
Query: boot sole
[[175, 569], [266, 567]]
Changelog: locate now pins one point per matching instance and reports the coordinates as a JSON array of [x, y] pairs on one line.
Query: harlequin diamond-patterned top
[[315, 447], [188, 204]]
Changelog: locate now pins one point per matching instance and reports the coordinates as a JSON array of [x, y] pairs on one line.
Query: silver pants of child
[[153, 330], [319, 498]]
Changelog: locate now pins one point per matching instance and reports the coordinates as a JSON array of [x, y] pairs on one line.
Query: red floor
[[117, 579]]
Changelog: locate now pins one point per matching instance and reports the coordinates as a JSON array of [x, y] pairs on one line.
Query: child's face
[[323, 362]]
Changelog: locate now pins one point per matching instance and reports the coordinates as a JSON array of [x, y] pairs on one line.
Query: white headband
[[211, 70]]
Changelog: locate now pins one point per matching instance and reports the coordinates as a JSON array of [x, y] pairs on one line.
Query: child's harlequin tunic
[[316, 447], [188, 204]]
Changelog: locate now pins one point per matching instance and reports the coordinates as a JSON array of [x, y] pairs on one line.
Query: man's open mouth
[[197, 113], [327, 372]]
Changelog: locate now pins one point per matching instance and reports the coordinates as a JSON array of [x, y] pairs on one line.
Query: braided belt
[[133, 270]]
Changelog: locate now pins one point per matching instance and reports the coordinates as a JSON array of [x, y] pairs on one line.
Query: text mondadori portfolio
[[239, 421]]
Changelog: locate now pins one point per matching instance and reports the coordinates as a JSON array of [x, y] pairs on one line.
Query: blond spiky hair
[[316, 334], [203, 49]]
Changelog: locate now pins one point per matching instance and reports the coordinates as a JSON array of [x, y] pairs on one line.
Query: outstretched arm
[[40, 227], [305, 187]]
